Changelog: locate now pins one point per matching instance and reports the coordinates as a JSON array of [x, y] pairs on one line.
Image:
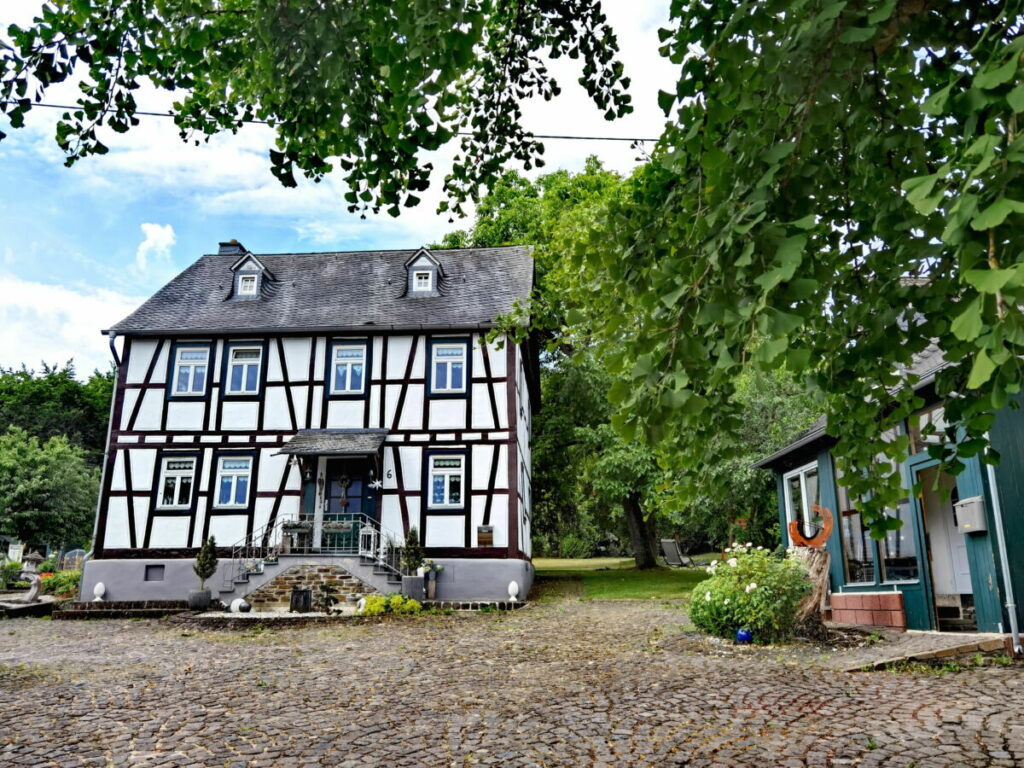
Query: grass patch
[[608, 578]]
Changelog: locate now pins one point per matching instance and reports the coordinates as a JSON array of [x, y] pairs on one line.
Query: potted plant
[[205, 566], [412, 560], [431, 569]]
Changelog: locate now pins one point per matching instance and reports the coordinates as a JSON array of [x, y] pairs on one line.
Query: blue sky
[[82, 247]]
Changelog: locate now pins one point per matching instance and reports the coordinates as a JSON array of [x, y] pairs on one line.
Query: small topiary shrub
[[754, 590], [378, 605]]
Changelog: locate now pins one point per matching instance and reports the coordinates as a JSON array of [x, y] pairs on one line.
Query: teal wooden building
[[958, 560]]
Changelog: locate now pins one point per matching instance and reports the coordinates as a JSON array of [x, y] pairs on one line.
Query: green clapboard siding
[[1007, 436]]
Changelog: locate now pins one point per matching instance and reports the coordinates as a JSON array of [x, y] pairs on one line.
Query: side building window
[[347, 370], [803, 493], [177, 478], [243, 374], [446, 482], [234, 478], [448, 368], [858, 546], [188, 376]]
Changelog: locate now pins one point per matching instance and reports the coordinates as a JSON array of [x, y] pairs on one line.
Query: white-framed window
[[244, 370], [423, 280], [348, 369], [247, 285], [234, 474], [190, 366], [448, 368], [177, 476], [447, 474], [803, 493]]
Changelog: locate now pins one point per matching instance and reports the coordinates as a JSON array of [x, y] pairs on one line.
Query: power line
[[264, 122]]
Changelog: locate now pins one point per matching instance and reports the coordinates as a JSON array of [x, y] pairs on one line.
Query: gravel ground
[[571, 683]]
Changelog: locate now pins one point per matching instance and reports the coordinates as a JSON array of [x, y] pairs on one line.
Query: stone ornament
[[513, 591], [98, 592], [240, 605]]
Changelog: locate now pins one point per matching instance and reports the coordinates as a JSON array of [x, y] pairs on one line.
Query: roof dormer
[[249, 272], [424, 274]]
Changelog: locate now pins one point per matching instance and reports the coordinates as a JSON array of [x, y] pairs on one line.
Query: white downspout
[[997, 513], [106, 454]]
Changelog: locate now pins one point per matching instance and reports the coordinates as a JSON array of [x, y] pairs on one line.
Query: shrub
[[205, 565], [9, 572], [412, 552], [575, 546], [48, 566], [754, 590], [378, 605], [62, 583]]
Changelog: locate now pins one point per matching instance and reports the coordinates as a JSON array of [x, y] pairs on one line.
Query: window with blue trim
[[446, 482], [234, 474], [348, 369], [177, 475], [189, 374], [448, 368], [244, 370]]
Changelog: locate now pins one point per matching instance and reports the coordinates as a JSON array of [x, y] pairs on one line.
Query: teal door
[[904, 554], [348, 502]]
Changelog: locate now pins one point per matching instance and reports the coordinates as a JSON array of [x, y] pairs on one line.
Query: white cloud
[[54, 324], [157, 244]]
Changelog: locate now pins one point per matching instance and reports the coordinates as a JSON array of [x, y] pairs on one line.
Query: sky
[[82, 247]]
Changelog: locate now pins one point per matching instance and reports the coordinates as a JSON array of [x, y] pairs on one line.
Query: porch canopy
[[335, 442]]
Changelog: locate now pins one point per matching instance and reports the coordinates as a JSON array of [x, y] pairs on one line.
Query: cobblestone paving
[[565, 684]]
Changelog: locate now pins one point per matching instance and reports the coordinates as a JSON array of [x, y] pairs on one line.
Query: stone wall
[[277, 593]]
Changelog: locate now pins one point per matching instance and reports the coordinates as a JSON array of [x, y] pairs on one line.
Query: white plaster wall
[[391, 514], [235, 415], [139, 359], [412, 467], [117, 524], [296, 355], [117, 477], [260, 518], [270, 469], [447, 413], [345, 414], [375, 392], [499, 519], [143, 468], [273, 362], [498, 367], [482, 416], [412, 410], [392, 392], [181, 415], [445, 531], [169, 532], [141, 517], [228, 529], [149, 412], [398, 353], [299, 395], [275, 411]]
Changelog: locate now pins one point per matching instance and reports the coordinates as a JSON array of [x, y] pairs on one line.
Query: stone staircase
[[122, 609], [355, 574]]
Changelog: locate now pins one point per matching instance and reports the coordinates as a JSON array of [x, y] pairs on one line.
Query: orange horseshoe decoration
[[817, 541]]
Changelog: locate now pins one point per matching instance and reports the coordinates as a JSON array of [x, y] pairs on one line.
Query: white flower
[[735, 543], [760, 548], [726, 601], [733, 562], [710, 570], [728, 549], [750, 587], [749, 544], [707, 597]]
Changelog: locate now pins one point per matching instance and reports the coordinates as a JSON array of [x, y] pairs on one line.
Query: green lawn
[[609, 578]]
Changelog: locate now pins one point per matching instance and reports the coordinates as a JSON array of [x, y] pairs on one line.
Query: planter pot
[[412, 586], [199, 599]]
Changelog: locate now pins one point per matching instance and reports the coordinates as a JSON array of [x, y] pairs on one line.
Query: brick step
[[128, 605], [118, 613]]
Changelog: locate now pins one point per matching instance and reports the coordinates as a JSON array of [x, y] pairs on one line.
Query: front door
[[947, 550], [348, 502]]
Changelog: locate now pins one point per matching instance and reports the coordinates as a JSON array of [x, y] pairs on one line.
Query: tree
[[53, 402], [365, 88], [839, 188], [47, 491], [205, 565]]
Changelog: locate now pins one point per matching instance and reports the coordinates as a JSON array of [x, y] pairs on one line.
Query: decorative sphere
[[239, 605], [744, 636]]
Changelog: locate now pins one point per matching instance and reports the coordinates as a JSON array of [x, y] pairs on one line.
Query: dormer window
[[247, 285], [423, 280], [425, 274]]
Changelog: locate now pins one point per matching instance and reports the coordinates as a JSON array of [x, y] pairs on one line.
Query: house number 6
[[389, 474]]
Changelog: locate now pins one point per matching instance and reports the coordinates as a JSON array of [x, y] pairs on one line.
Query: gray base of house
[[478, 579]]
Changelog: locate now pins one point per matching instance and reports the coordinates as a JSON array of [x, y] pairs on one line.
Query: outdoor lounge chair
[[673, 557]]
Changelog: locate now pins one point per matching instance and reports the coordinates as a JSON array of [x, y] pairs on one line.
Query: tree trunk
[[809, 614], [641, 533]]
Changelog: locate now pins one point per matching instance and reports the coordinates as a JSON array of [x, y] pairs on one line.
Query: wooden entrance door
[[348, 502]]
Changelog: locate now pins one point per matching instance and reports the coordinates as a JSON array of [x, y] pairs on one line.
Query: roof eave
[[289, 329]]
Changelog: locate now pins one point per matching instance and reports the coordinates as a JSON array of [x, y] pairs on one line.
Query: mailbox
[[970, 515]]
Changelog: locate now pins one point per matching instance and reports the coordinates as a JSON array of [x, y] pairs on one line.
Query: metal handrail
[[375, 542]]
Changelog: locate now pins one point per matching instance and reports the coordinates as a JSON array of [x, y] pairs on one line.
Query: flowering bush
[[378, 605], [754, 590], [61, 583]]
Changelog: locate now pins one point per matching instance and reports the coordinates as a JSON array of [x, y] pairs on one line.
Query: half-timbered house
[[314, 407]]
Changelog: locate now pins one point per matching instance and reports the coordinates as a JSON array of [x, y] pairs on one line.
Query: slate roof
[[349, 290], [335, 442]]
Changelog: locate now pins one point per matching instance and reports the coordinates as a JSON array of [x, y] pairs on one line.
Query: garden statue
[[513, 591], [30, 573]]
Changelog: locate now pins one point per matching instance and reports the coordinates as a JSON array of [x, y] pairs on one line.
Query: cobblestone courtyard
[[563, 684]]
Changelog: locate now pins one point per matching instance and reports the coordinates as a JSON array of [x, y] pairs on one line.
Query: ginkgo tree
[[838, 186]]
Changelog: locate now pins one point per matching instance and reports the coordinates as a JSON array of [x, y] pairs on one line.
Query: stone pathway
[[560, 684]]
